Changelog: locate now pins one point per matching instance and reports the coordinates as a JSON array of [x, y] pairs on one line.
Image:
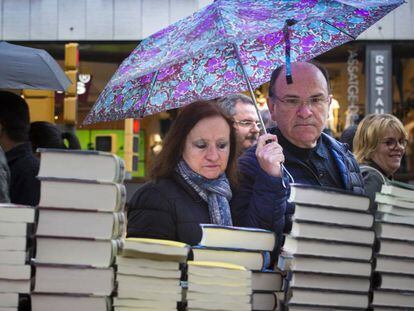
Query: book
[[53, 302], [81, 164], [12, 243], [13, 257], [148, 271], [396, 248], [332, 232], [392, 281], [396, 210], [332, 299], [394, 231], [155, 249], [16, 213], [73, 280], [323, 265], [75, 251], [329, 197], [391, 200], [15, 286], [147, 263], [253, 260], [396, 219], [265, 301], [332, 216], [329, 281], [14, 229], [82, 195], [398, 189], [144, 304], [236, 237], [15, 272], [393, 299], [394, 265], [80, 224], [9, 299], [202, 271], [267, 280], [302, 246], [148, 283]]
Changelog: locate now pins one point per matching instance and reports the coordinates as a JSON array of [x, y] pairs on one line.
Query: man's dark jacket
[[24, 167], [261, 199], [168, 209]]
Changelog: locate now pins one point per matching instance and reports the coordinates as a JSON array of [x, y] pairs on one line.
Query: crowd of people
[[215, 167]]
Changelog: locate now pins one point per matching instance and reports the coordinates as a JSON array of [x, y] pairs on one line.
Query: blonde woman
[[379, 145]]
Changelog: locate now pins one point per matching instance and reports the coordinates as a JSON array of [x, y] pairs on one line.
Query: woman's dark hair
[[43, 134], [174, 142]]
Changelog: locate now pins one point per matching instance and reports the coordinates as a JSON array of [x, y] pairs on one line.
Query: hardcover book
[[82, 195], [81, 164], [329, 197], [236, 237]]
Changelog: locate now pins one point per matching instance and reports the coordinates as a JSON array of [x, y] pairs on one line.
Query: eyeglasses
[[295, 102], [248, 123], [392, 142]]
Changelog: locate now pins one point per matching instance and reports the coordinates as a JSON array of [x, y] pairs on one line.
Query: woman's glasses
[[392, 143]]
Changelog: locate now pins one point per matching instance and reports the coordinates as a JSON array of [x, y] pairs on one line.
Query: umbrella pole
[[236, 49], [246, 77]]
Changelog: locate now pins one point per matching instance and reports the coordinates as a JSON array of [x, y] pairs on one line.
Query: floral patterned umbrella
[[228, 47]]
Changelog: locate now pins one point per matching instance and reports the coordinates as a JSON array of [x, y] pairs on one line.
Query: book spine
[[120, 169], [119, 226], [122, 196]]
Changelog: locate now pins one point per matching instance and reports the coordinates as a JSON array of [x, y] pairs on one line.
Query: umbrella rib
[[339, 29], [142, 107]]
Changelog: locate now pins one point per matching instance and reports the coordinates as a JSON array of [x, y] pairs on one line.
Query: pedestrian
[[4, 178], [191, 179], [300, 110], [240, 108], [379, 145], [14, 139], [44, 134]]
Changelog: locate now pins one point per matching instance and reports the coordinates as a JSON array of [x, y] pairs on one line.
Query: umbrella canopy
[[28, 68], [221, 48]]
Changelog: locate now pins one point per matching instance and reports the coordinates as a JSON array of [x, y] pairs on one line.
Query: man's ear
[[270, 104]]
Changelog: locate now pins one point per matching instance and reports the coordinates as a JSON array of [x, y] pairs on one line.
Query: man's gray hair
[[228, 103]]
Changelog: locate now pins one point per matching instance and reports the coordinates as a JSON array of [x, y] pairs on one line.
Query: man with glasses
[[241, 109], [300, 110]]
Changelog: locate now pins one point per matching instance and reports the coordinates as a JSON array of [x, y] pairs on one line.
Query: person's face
[[389, 152], [207, 147], [246, 125], [301, 109]]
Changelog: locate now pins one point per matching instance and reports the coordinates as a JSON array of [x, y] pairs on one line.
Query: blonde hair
[[371, 131]]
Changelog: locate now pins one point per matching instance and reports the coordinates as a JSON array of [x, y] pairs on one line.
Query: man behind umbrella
[[240, 108], [300, 110], [14, 129]]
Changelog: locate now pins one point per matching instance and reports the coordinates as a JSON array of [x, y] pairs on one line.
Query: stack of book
[[394, 226], [149, 275], [16, 225], [80, 220], [229, 285], [247, 247], [328, 253]]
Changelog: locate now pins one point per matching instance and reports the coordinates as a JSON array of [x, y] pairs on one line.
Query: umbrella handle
[[249, 86]]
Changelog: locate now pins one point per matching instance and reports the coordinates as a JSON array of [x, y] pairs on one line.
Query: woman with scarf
[[191, 178], [379, 145]]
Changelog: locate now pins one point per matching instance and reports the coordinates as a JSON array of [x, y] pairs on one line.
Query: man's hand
[[270, 154]]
